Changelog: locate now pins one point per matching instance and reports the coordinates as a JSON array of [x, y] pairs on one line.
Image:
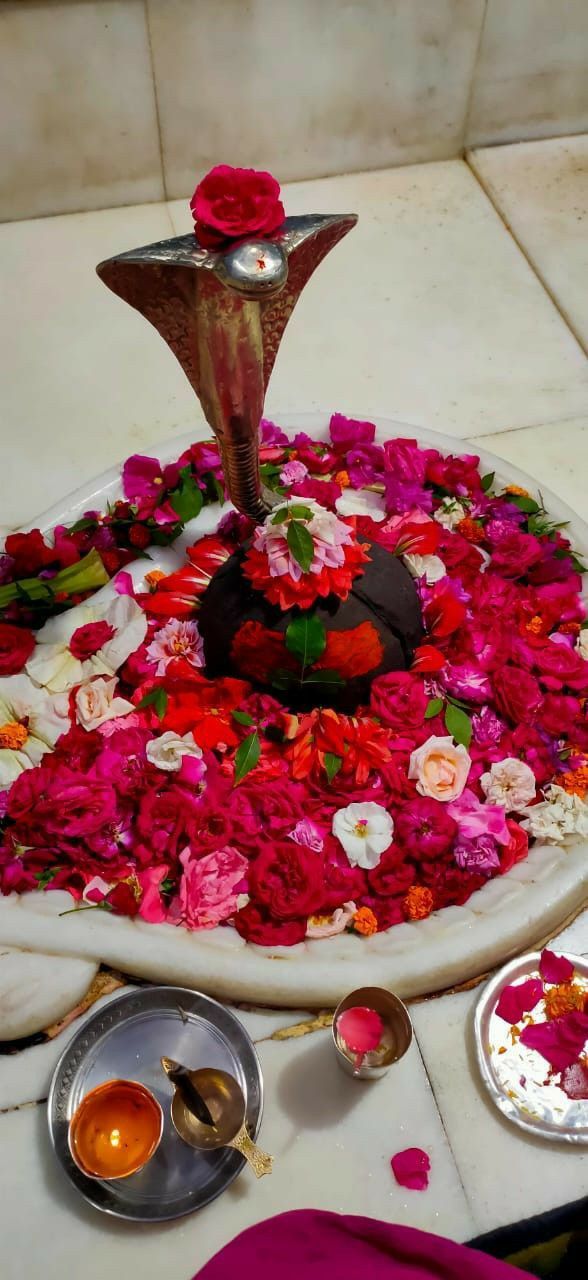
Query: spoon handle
[[257, 1159]]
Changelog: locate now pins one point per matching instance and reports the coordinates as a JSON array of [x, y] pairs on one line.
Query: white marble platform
[[541, 190], [430, 314]]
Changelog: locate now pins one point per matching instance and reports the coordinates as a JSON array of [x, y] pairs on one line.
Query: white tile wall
[[531, 79], [310, 88], [78, 126]]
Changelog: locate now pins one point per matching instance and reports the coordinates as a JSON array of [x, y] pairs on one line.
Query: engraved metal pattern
[[126, 1040], [518, 1079], [223, 314]]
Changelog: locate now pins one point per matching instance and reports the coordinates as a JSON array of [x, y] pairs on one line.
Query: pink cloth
[[309, 1244]]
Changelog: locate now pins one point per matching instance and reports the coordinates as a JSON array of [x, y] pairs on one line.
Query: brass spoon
[[224, 1099]]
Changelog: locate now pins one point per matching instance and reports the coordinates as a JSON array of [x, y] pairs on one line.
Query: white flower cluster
[[558, 818]]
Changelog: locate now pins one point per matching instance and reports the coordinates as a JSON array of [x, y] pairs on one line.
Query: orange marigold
[[567, 997], [153, 577], [516, 490], [535, 625], [418, 903], [471, 530], [365, 922], [576, 781], [342, 478], [13, 735]]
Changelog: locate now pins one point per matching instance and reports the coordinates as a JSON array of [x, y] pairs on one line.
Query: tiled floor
[[430, 313]]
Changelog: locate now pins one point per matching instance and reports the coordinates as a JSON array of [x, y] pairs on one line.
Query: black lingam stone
[[384, 594]]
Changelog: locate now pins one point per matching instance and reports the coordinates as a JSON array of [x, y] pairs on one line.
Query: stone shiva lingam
[[222, 307]]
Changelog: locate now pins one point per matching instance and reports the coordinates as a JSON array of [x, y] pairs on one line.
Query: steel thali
[[126, 1040]]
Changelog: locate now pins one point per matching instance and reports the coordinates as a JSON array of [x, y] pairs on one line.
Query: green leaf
[[187, 499], [86, 522], [300, 545], [45, 877], [296, 511], [458, 725], [433, 708], [306, 638], [281, 516], [488, 481], [167, 886], [578, 564], [332, 764], [323, 677], [246, 756], [282, 679], [156, 698], [242, 718], [520, 500]]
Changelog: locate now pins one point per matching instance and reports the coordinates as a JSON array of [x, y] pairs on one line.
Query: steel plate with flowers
[[123, 1043], [531, 1030]]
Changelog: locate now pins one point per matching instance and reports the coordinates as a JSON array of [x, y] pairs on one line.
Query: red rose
[[388, 911], [88, 639], [517, 848], [230, 203], [255, 925], [288, 880], [515, 553], [122, 901], [558, 664], [29, 552], [399, 700], [559, 713], [392, 875], [16, 645], [517, 693]]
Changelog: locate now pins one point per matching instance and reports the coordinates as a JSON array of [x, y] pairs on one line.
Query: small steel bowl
[[396, 1036], [99, 1106]]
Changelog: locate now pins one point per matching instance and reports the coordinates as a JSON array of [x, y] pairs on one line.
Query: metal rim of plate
[[555, 1131], [134, 1018]]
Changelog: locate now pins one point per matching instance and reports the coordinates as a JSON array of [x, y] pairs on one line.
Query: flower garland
[[144, 788]]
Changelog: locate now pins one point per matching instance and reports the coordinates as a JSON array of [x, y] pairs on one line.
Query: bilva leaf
[[300, 544], [246, 756], [156, 698], [332, 764], [434, 706], [458, 725], [306, 639]]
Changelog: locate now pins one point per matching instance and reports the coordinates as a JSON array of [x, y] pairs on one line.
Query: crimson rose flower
[[392, 875], [558, 665], [399, 700], [255, 925], [288, 880], [230, 203], [29, 552], [16, 645], [425, 828], [559, 713], [517, 693], [516, 849], [514, 554]]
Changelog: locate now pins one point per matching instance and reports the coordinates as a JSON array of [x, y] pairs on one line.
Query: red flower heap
[[301, 552]]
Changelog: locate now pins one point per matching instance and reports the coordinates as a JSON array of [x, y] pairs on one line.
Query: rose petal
[[516, 1000], [555, 968], [560, 1042], [411, 1168], [575, 1080]]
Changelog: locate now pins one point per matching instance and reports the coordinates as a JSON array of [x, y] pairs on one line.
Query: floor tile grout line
[[156, 100], [445, 1129], [488, 192], [472, 85]]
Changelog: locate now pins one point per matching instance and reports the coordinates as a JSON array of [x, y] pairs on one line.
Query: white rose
[[361, 502], [582, 644], [365, 830], [167, 751], [96, 703], [431, 568], [440, 768], [510, 783]]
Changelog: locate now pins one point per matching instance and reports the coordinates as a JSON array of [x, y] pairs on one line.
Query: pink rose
[[467, 680], [229, 203], [475, 819], [559, 664], [399, 700], [559, 713], [514, 553], [441, 768], [208, 889], [425, 826]]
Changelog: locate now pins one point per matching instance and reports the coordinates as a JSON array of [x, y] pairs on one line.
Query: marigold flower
[[365, 922], [471, 530], [418, 903], [564, 998]]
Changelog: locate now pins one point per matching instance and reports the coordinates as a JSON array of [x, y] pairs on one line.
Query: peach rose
[[440, 768]]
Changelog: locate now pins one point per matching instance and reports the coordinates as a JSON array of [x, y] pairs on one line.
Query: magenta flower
[[475, 819], [560, 1042], [467, 680], [479, 854], [554, 968], [346, 432], [307, 833], [142, 479], [488, 729], [426, 826]]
